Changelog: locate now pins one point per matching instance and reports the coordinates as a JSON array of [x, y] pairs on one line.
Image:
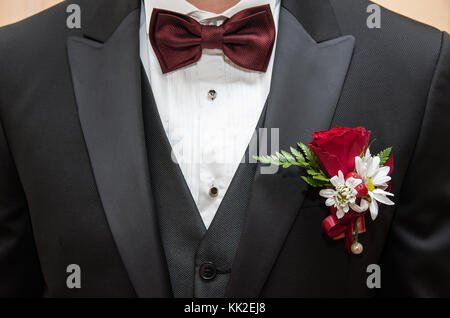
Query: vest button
[[208, 270]]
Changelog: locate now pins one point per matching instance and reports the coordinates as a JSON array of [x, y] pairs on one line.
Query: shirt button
[[213, 192], [208, 270], [212, 94]]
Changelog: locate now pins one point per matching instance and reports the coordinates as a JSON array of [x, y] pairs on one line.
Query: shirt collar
[[184, 7]]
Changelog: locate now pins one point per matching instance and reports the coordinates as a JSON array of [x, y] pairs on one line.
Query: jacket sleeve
[[20, 274], [416, 260]]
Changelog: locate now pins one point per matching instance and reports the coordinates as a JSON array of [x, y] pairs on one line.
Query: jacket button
[[208, 270]]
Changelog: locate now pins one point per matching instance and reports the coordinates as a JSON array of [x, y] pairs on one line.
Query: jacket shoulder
[[39, 26], [34, 44], [397, 37], [39, 33]]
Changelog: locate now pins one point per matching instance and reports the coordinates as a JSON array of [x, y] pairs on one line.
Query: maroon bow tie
[[246, 38]]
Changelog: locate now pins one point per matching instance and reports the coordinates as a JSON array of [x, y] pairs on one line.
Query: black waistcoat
[[199, 260]]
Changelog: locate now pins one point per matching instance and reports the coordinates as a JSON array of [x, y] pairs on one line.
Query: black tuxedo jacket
[[75, 183]]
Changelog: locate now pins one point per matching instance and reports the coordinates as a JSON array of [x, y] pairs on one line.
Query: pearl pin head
[[357, 248]]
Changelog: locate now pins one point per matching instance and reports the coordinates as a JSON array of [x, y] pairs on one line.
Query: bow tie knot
[[212, 36], [247, 38]]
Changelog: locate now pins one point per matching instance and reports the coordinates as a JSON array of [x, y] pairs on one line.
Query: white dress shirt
[[208, 136]]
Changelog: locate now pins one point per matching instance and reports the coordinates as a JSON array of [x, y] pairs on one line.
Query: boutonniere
[[353, 181]]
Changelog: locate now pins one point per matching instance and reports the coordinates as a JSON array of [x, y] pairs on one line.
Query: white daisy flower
[[375, 178], [343, 196]]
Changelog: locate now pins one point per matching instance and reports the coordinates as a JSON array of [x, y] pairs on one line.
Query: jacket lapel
[[306, 85], [107, 82]]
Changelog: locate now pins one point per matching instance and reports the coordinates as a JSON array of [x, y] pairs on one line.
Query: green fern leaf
[[384, 156]]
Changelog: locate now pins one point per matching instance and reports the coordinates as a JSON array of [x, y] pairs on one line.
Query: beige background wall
[[433, 12], [15, 10]]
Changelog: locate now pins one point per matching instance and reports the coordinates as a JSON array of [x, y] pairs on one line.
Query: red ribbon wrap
[[343, 228]]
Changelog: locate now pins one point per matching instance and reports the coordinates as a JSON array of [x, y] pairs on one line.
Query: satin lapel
[[306, 85], [107, 82]]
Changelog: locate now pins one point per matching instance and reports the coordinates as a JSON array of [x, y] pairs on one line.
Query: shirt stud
[[212, 94], [213, 192]]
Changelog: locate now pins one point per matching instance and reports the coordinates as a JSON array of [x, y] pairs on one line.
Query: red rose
[[337, 148], [390, 163]]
